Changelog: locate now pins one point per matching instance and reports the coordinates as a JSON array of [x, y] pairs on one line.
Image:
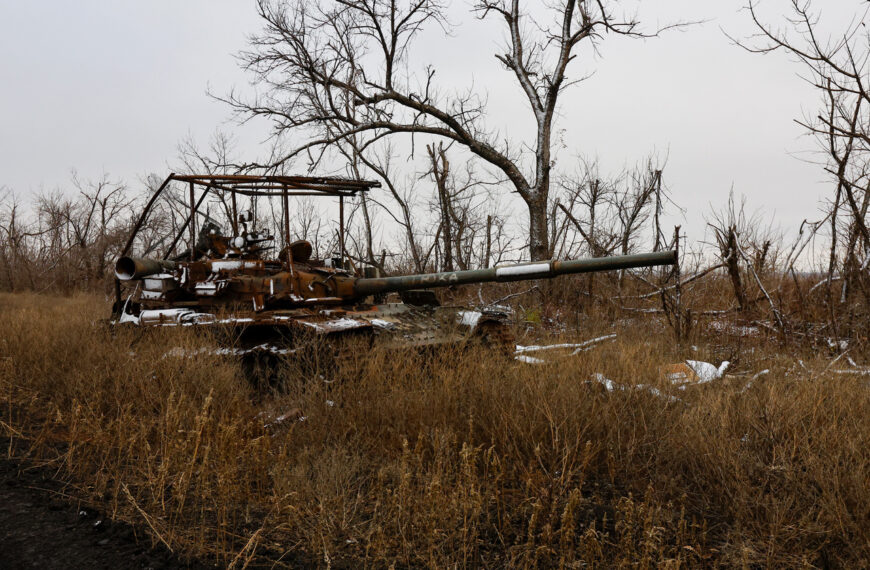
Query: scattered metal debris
[[611, 386], [578, 347], [693, 372]]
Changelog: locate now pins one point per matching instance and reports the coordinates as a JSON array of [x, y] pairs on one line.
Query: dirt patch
[[40, 527]]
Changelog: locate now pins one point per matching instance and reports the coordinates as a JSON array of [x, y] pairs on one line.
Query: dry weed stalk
[[448, 460]]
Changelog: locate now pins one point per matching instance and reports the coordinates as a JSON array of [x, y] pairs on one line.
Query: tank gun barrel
[[128, 268], [520, 272]]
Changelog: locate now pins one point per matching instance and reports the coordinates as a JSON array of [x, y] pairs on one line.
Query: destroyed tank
[[279, 301]]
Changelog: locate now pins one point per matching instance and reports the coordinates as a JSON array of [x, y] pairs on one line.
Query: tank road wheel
[[496, 336], [264, 355], [347, 349], [324, 357], [261, 369]]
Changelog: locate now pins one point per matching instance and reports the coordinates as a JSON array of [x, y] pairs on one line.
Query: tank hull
[[389, 325]]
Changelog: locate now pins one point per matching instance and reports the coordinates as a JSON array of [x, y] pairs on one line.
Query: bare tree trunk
[[732, 261], [440, 172], [659, 238], [488, 254], [539, 238]]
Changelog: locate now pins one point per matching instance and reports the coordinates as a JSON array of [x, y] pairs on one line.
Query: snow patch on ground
[[732, 329]]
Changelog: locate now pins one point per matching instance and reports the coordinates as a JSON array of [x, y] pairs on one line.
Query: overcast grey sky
[[113, 87]]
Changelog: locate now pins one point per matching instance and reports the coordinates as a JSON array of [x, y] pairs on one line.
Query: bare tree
[[747, 248], [333, 70], [382, 165], [838, 68], [441, 176], [634, 200], [589, 202], [97, 225], [465, 213], [14, 236], [213, 160], [63, 242]]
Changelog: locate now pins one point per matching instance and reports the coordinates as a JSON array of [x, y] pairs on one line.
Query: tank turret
[[281, 285]]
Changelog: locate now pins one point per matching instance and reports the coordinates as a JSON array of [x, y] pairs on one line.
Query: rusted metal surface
[[128, 268], [239, 282], [247, 185]]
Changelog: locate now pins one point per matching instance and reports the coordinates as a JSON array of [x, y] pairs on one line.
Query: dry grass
[[451, 460]]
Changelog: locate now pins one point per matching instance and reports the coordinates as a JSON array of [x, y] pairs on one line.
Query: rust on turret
[[240, 280]]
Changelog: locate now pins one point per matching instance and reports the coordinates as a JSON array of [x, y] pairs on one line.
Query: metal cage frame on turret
[[249, 185]]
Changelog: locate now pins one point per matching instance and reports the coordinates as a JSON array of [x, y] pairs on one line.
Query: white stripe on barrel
[[523, 270]]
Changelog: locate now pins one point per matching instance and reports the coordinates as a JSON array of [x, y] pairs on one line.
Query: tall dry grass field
[[455, 459]]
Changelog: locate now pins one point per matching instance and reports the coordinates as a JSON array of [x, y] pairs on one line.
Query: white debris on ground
[[860, 370], [529, 359], [579, 347], [756, 376], [680, 374], [506, 309], [534, 348], [610, 386], [856, 371], [179, 352], [759, 374], [469, 318], [658, 393], [840, 345], [271, 422], [707, 372], [693, 372], [584, 346]]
